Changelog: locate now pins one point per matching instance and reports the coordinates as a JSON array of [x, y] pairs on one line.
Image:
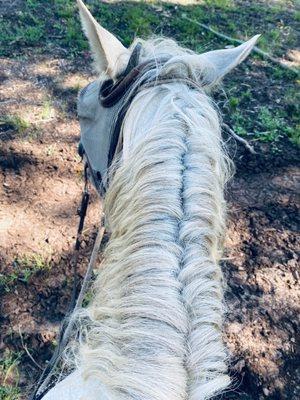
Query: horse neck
[[157, 309]]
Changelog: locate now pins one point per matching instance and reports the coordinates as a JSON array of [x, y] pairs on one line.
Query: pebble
[[266, 391]]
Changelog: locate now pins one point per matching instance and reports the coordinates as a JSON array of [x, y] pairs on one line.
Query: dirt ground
[[41, 183], [262, 273]]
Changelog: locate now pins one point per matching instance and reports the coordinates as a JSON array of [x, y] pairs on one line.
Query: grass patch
[[24, 268], [9, 375], [47, 110], [223, 4], [56, 22], [9, 392], [22, 127], [13, 122], [272, 126], [294, 135]]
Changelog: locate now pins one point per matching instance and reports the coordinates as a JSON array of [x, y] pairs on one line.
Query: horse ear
[[109, 53], [220, 62]]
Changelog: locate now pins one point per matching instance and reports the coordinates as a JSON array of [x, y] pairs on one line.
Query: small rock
[[295, 274], [239, 366], [266, 391]]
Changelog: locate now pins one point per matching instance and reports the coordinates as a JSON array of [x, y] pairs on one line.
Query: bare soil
[[262, 271]]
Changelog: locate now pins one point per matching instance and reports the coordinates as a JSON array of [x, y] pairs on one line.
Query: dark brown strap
[[134, 59], [111, 93]]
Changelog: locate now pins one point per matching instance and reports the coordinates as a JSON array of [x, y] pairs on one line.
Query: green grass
[[47, 110], [9, 392], [24, 268], [9, 375], [223, 4], [55, 22], [44, 27], [272, 126], [14, 122]]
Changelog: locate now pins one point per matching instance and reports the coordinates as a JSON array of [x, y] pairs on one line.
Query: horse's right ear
[[109, 54], [221, 62]]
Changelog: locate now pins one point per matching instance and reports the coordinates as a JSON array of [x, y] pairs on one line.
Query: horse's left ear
[[109, 53], [219, 62]]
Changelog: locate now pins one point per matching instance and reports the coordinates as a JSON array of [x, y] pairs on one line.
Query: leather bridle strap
[[110, 92], [113, 92]]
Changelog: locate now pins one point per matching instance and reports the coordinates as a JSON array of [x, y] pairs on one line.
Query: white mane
[[154, 327]]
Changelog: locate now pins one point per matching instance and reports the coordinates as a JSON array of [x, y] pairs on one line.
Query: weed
[[32, 4], [7, 281], [239, 122], [233, 102], [9, 375], [23, 269], [47, 110], [273, 126], [65, 9], [33, 262], [270, 39], [224, 4], [14, 122], [294, 135], [139, 22], [73, 38]]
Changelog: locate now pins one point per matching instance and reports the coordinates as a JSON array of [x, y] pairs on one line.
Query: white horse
[[153, 330]]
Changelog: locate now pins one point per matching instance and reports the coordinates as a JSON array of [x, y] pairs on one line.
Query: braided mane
[[153, 328]]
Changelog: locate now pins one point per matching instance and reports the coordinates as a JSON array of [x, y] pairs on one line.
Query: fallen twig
[[27, 351], [238, 41], [239, 138]]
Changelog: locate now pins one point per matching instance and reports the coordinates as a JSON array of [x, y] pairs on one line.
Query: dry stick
[[237, 41], [67, 333], [240, 139], [27, 351]]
